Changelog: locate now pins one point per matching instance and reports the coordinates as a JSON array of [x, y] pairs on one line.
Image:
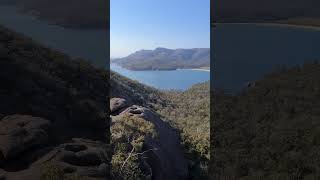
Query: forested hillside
[[271, 130], [189, 112]]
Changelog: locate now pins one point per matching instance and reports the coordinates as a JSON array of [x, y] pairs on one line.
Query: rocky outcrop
[[20, 133], [166, 158], [83, 158], [26, 152]]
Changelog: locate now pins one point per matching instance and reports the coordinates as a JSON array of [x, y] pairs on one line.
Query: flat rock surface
[[82, 157]]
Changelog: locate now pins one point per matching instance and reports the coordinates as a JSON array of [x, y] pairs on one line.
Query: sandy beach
[[207, 70]]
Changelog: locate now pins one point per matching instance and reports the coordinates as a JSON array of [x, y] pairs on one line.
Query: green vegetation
[[134, 91], [189, 112], [51, 172], [128, 136], [270, 130]]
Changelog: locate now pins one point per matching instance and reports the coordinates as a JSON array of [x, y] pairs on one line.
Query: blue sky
[[147, 24]]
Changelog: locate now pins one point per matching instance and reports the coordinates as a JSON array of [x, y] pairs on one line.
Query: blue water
[[244, 53], [92, 45], [177, 79]]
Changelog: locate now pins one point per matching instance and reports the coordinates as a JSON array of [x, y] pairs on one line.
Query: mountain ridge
[[282, 11], [81, 14], [165, 59]]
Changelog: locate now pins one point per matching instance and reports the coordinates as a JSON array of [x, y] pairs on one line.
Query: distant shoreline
[[278, 24], [199, 69]]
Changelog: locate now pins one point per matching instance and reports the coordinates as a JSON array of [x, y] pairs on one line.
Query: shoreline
[[277, 24], [193, 69]]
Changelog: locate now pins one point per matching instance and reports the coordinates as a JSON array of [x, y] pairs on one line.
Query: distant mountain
[[166, 59], [67, 13], [7, 2], [290, 11]]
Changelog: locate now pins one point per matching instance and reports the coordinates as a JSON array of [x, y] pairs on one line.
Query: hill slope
[[166, 59], [189, 111], [185, 111], [52, 113]]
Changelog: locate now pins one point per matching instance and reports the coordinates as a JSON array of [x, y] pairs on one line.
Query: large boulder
[[117, 104], [166, 159], [20, 133]]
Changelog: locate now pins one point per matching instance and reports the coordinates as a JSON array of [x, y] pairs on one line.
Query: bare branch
[[136, 154], [153, 149], [124, 163]]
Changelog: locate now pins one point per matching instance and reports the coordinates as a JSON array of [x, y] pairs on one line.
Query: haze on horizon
[[148, 24]]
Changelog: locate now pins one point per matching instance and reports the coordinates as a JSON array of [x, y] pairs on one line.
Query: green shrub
[[128, 135], [52, 172]]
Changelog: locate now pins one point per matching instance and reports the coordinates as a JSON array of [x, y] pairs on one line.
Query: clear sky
[[147, 24]]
